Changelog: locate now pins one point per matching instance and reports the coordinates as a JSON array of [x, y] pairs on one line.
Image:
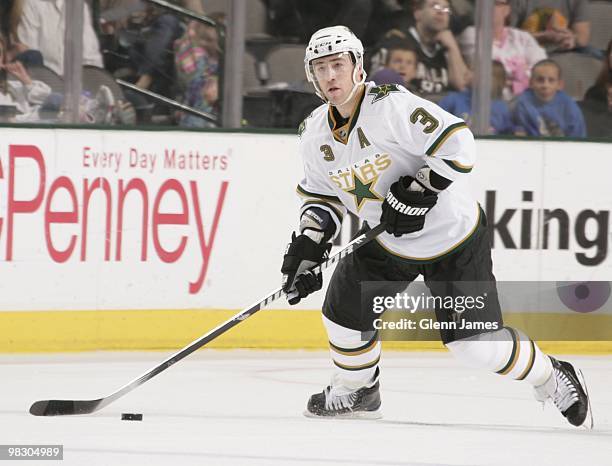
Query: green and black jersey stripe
[[325, 197], [448, 132], [331, 202]]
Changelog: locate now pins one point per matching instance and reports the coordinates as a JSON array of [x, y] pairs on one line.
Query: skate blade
[[588, 422], [360, 415]]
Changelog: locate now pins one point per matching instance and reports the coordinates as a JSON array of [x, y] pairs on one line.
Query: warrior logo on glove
[[404, 209]]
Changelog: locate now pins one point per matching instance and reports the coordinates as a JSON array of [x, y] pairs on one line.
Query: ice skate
[[568, 391], [363, 403]]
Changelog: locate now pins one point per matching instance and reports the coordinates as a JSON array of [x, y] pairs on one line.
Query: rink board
[[99, 227], [274, 329]]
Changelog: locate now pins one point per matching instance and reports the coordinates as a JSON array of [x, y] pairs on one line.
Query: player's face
[[334, 74], [435, 15], [403, 62], [545, 82]]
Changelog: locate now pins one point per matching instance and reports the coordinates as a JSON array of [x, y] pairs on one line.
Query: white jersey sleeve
[[315, 189], [423, 128]]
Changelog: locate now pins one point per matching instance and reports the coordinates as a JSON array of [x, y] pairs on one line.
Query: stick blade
[[64, 407]]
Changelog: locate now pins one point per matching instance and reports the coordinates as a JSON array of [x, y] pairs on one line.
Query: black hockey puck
[[131, 417]]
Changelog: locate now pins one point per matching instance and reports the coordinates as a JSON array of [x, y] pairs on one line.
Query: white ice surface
[[245, 408]]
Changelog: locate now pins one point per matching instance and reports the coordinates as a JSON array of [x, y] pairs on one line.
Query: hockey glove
[[406, 205], [302, 254]]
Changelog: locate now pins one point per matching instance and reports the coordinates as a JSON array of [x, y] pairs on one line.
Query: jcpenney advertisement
[[170, 220], [142, 220]]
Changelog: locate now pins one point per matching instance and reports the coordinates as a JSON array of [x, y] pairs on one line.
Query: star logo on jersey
[[363, 190], [382, 91]]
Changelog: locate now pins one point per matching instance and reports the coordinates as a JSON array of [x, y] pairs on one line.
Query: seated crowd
[[527, 96], [151, 48], [426, 45]]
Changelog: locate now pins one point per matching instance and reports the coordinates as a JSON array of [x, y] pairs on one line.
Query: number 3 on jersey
[[428, 121]]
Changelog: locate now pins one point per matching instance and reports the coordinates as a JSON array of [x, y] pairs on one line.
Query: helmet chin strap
[[350, 96], [356, 85]]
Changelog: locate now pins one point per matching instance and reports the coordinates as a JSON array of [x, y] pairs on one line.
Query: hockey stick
[[69, 407]]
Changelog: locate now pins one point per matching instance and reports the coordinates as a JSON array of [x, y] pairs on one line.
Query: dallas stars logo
[[363, 190], [382, 91]]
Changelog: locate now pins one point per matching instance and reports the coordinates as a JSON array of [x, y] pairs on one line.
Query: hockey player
[[390, 156]]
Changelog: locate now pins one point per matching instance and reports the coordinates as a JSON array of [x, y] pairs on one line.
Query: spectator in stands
[[20, 96], [558, 25], [440, 60], [197, 56], [441, 66], [544, 109], [145, 40], [42, 27], [152, 32], [460, 103], [597, 104], [517, 50], [10, 16], [402, 61]]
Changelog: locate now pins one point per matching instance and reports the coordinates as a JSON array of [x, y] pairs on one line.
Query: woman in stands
[[517, 50]]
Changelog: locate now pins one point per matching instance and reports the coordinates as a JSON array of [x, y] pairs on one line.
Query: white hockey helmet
[[332, 41]]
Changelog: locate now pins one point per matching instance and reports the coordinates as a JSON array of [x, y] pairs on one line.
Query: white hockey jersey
[[350, 165]]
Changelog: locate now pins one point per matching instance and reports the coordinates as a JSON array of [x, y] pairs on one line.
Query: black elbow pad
[[318, 220]]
